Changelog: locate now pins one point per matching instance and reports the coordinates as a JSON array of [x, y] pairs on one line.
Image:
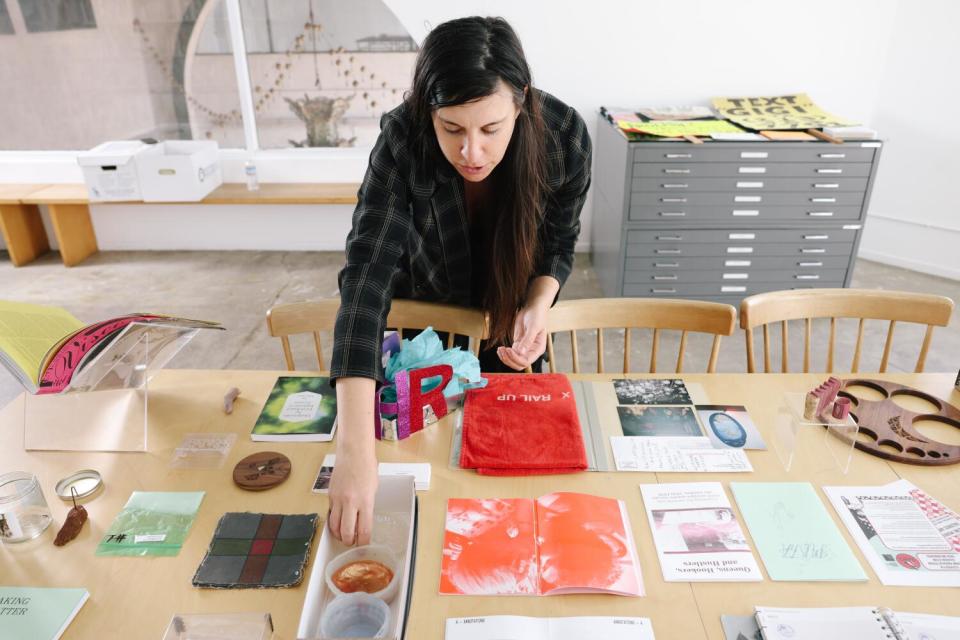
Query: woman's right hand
[[353, 485]]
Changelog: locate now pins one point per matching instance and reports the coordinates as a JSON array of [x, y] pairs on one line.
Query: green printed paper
[[152, 523], [793, 532]]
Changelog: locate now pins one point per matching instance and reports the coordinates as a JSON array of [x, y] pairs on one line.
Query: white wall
[[868, 60]]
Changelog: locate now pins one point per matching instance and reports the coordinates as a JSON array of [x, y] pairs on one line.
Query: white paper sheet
[[525, 628], [835, 623], [681, 454]]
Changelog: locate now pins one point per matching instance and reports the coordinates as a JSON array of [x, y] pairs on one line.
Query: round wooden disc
[[261, 471]]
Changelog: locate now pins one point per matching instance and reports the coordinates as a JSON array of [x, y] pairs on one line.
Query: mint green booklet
[[794, 534], [152, 523]]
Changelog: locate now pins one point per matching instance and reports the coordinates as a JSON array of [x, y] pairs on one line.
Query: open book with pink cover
[[558, 543]]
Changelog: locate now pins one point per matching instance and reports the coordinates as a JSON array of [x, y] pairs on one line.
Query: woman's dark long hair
[[464, 60]]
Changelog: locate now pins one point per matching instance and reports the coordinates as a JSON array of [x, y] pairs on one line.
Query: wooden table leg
[[74, 231], [23, 232]]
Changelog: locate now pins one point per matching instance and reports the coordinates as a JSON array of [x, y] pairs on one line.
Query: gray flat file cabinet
[[725, 220]]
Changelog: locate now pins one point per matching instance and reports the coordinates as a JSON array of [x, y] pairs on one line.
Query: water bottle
[[250, 172]]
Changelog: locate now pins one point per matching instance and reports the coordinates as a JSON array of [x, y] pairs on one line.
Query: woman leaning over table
[[472, 197]]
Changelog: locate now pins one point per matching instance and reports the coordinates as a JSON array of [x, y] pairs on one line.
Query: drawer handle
[[829, 170], [749, 185], [730, 289], [666, 265], [807, 276], [739, 249], [809, 264], [823, 200], [748, 198], [753, 154], [681, 200], [665, 277], [667, 252], [673, 156], [813, 250], [741, 236], [673, 214], [736, 263], [736, 276], [812, 237], [752, 170], [663, 290], [826, 185], [820, 214], [672, 238], [746, 212], [674, 186], [680, 171], [833, 155]]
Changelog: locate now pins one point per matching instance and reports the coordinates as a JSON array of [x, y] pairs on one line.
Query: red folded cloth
[[522, 424]]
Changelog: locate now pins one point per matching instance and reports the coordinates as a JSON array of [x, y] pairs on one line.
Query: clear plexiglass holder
[[816, 441], [105, 406]]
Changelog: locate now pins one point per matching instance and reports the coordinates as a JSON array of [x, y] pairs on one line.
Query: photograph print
[[670, 391], [659, 421]]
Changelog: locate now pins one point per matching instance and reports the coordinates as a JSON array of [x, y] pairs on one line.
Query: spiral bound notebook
[[843, 623]]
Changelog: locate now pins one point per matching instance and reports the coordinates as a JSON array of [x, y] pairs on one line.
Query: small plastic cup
[[24, 514], [355, 615], [377, 552]]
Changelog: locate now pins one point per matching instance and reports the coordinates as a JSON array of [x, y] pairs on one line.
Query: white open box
[[110, 170], [179, 170], [395, 525]]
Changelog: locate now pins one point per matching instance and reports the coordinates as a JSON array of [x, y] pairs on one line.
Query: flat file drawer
[[734, 276], [744, 213], [735, 249], [745, 199], [668, 290], [748, 184], [740, 169], [749, 236], [736, 263], [758, 151]]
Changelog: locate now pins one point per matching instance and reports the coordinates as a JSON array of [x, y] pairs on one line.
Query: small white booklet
[[697, 534], [679, 454], [525, 628], [908, 537], [846, 623], [419, 470]]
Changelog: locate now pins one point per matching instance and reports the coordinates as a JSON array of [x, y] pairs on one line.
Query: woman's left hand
[[529, 337]]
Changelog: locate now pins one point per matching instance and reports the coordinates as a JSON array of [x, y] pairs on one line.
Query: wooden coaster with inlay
[[887, 423], [261, 471]]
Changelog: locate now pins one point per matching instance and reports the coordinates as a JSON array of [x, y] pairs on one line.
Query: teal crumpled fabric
[[426, 350]]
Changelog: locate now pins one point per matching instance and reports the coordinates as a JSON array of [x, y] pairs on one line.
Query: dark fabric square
[[219, 570], [290, 547], [283, 571], [269, 526], [298, 526], [229, 547], [238, 525], [253, 570], [261, 547]]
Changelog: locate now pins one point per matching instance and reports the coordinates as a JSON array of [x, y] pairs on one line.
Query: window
[[57, 15], [6, 26]]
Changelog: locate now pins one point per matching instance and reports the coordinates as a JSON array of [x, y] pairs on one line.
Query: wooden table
[[136, 597], [69, 209]]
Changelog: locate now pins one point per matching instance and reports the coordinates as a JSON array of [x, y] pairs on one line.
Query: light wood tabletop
[[136, 597], [227, 193]]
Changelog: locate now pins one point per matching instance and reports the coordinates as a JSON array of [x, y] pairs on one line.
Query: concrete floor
[[236, 289]]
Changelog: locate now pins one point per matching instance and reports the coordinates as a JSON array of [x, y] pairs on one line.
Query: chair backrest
[[639, 313], [285, 320], [865, 304]]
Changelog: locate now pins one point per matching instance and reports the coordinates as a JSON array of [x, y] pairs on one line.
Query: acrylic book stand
[[811, 441], [105, 406]]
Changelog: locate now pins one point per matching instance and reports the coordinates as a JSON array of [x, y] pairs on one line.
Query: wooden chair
[[865, 304], [313, 317], [628, 313]]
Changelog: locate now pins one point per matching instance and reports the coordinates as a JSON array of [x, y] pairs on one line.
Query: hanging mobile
[[74, 522]]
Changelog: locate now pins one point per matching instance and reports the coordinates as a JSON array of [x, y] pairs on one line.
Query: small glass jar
[[24, 514]]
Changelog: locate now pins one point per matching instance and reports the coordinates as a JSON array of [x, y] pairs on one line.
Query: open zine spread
[[697, 535], [558, 543]]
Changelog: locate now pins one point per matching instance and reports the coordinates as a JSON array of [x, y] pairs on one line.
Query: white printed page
[[525, 628], [909, 538], [835, 623], [697, 534], [678, 454], [922, 626]]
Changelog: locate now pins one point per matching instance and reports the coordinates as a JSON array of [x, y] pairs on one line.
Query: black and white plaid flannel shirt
[[410, 235]]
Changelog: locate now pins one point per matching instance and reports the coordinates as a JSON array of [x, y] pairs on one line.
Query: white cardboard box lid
[[115, 152]]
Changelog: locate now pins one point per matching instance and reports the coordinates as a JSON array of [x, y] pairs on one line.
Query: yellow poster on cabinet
[[792, 112]]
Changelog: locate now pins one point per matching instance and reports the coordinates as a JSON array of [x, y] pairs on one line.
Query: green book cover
[[299, 408], [794, 534], [38, 613]]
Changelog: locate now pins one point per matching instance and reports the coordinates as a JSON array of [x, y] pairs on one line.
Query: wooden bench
[[69, 207]]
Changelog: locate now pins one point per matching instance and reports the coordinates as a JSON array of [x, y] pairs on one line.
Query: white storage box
[[110, 171], [179, 171], [395, 523]]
